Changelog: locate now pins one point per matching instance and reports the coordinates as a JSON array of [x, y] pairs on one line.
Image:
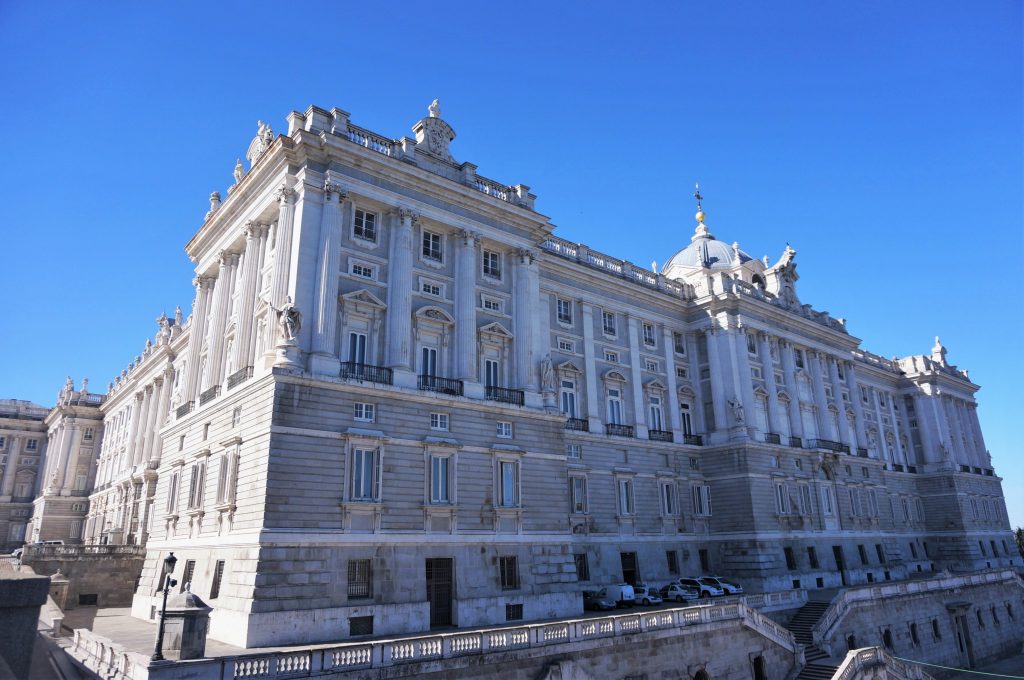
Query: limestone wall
[[104, 575]]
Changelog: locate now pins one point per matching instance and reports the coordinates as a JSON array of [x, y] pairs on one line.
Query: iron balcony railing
[[862, 453], [829, 445], [184, 409], [618, 430], [772, 438], [897, 467], [375, 374], [505, 395], [239, 377], [431, 383], [912, 469], [693, 439], [209, 395], [659, 436], [965, 468], [577, 424], [796, 443]]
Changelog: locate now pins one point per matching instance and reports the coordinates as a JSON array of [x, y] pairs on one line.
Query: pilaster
[[465, 307], [399, 314], [594, 417], [796, 424], [774, 416], [673, 389], [324, 360], [197, 336], [636, 378], [522, 322], [254, 234], [825, 427], [858, 406]]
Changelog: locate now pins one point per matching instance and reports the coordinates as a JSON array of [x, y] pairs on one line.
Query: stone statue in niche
[[739, 418], [547, 375], [289, 318]]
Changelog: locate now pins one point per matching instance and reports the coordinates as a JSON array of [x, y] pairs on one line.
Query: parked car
[[646, 595], [704, 589], [730, 587], [594, 601], [621, 594], [676, 592]]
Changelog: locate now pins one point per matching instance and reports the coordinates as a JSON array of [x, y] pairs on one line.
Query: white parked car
[[730, 587], [706, 589], [621, 594], [646, 596], [674, 592]]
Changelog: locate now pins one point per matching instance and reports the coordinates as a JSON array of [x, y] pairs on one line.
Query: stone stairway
[[818, 665]]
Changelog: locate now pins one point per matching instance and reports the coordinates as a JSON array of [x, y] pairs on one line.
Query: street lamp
[[168, 583]]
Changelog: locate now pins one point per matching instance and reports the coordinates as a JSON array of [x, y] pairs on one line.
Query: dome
[[715, 253]]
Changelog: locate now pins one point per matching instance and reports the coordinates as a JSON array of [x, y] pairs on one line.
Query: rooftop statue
[[434, 110]]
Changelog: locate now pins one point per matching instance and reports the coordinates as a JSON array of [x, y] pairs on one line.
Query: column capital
[[469, 237], [285, 194], [203, 282], [227, 258], [525, 256], [405, 213], [255, 230], [333, 187]]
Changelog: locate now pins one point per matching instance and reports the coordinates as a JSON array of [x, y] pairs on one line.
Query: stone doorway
[[439, 590]]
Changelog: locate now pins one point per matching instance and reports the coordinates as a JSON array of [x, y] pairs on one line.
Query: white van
[[621, 594]]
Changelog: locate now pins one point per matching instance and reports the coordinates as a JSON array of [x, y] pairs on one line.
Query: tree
[[1019, 535]]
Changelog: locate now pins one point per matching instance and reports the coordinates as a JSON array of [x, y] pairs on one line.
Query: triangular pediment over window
[[496, 328], [569, 367], [363, 297]]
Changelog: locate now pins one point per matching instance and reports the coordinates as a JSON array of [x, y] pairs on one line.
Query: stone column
[[152, 417], [881, 427], [858, 406], [283, 247], [697, 414], [774, 415], [825, 428], [465, 307], [399, 314], [955, 434], [738, 345], [718, 386], [197, 335], [10, 470], [673, 389], [138, 442], [900, 454], [979, 438], [162, 399], [324, 360], [843, 435], [594, 410], [247, 297], [636, 378], [938, 418], [929, 444], [70, 462], [133, 428], [796, 423], [522, 322], [909, 450], [218, 320]]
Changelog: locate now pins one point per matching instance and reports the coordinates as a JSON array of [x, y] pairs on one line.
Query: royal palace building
[[401, 402]]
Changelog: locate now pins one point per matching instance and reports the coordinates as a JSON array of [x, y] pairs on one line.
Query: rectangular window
[[782, 499], [206, 431], [440, 479], [513, 612], [432, 246], [3, 442], [365, 474], [186, 576], [578, 495], [651, 365], [80, 482], [360, 580], [755, 373], [752, 345], [508, 484], [430, 288], [491, 373], [672, 557], [32, 445], [226, 478], [573, 450], [197, 481], [863, 553], [566, 345], [362, 270], [608, 323], [172, 491], [625, 487], [363, 412], [564, 311], [840, 370], [879, 553], [87, 434], [701, 500], [805, 500], [682, 373], [508, 567], [504, 430], [790, 558], [357, 348], [428, 361], [657, 422], [360, 625], [568, 393], [491, 304], [798, 358], [439, 421], [812, 556], [365, 225], [611, 357], [236, 416], [649, 334], [76, 529], [582, 567], [614, 407], [679, 343], [492, 264], [686, 420], [218, 576], [668, 499]]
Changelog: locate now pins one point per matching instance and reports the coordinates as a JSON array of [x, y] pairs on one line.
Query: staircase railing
[[859, 663]]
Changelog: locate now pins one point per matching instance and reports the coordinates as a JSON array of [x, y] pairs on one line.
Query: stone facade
[[400, 398], [74, 434], [22, 455]]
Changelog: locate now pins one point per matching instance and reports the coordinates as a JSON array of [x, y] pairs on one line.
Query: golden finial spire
[[700, 209]]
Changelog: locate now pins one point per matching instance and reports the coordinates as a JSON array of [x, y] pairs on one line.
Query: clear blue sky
[[883, 140]]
